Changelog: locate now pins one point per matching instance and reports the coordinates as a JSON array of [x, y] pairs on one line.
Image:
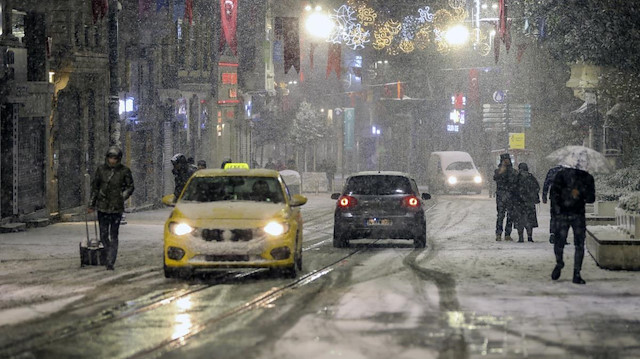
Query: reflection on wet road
[[376, 299]]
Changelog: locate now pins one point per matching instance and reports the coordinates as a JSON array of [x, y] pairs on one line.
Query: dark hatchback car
[[380, 204]]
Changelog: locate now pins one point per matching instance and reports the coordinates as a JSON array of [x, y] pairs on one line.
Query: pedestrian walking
[[202, 164], [270, 165], [504, 176], [225, 161], [548, 180], [526, 196], [111, 185], [329, 168], [182, 171], [571, 189]]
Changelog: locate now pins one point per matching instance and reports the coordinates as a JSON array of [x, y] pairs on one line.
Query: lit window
[[129, 104]]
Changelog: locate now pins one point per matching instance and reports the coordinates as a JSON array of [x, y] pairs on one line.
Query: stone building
[[179, 91]]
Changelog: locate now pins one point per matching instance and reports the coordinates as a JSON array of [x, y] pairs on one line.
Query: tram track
[[117, 314]]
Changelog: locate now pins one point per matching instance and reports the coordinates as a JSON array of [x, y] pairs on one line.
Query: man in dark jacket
[[225, 161], [111, 186], [182, 171], [525, 199], [505, 177], [545, 190], [270, 165], [571, 189]]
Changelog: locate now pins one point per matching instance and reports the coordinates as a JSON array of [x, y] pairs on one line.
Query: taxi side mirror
[[298, 200], [169, 200], [426, 196], [335, 195]]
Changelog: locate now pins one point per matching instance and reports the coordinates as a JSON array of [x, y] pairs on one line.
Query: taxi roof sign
[[236, 166]]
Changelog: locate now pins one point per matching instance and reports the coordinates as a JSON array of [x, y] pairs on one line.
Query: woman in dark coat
[[526, 197]]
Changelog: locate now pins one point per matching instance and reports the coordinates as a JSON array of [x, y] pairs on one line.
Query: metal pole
[[114, 80], [507, 117]]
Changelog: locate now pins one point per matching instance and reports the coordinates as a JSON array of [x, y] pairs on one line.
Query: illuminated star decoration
[[356, 24], [347, 30]]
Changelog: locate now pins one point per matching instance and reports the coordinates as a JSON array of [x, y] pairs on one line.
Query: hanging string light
[[357, 23]]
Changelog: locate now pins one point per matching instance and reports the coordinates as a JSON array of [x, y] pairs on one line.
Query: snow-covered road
[[464, 296]]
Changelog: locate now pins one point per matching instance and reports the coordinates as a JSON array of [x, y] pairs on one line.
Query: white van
[[450, 171]]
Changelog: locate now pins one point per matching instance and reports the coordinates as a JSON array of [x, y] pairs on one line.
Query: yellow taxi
[[234, 218]]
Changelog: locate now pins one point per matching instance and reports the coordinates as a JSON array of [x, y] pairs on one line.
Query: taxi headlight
[[180, 229], [477, 179], [452, 180], [276, 228]]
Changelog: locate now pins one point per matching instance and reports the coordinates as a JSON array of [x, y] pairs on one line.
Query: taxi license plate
[[378, 222]]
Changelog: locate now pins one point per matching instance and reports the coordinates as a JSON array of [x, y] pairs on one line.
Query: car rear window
[[378, 185], [234, 188]]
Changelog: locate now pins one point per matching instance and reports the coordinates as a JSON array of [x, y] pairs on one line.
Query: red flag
[[229, 18], [502, 20], [99, 9], [143, 7], [188, 11], [333, 60]]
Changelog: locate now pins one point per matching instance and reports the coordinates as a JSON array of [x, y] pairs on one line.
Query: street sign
[[516, 141], [513, 115]]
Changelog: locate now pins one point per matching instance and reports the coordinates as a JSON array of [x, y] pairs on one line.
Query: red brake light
[[347, 201], [411, 202]]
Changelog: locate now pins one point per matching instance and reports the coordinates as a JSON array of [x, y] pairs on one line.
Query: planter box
[[605, 208], [612, 248], [628, 222]]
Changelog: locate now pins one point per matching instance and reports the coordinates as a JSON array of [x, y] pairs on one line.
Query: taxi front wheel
[[183, 273], [298, 259], [286, 272]]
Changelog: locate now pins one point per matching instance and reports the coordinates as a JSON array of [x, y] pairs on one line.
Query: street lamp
[[318, 23], [457, 35]]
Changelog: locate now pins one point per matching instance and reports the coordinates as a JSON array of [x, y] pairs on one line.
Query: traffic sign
[[513, 115], [516, 141]]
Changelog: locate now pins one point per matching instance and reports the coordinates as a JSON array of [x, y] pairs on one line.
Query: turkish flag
[[188, 11], [333, 60], [229, 17], [99, 9], [143, 7]]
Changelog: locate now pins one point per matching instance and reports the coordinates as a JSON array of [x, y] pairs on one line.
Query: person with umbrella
[[572, 187]]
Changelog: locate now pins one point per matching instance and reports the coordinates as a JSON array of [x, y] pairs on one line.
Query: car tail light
[[411, 202], [347, 201]]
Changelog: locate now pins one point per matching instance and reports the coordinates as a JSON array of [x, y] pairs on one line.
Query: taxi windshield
[[234, 188]]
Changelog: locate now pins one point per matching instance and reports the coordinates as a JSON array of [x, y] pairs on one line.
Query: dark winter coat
[[525, 198], [181, 174], [571, 189], [548, 180], [505, 180], [110, 187]]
